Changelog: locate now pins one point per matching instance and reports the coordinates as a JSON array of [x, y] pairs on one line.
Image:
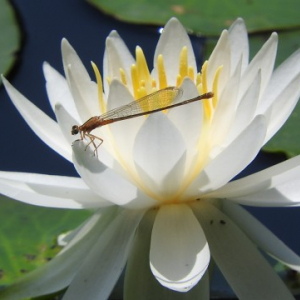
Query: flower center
[[142, 83]]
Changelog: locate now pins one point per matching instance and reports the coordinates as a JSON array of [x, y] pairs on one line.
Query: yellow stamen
[[153, 84], [198, 79], [162, 77], [183, 63], [123, 76], [135, 80], [178, 80], [142, 92], [108, 80], [215, 86], [100, 87], [191, 73], [206, 103], [142, 67]]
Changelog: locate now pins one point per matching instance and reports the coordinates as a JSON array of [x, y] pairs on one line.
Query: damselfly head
[[75, 129]]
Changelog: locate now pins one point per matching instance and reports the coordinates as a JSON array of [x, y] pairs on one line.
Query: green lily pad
[[9, 37], [206, 17], [28, 236]]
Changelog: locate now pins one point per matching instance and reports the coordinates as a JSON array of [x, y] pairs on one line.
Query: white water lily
[[160, 186]]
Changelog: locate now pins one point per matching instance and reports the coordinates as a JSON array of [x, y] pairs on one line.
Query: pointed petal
[[188, 116], [263, 60], [105, 182], [245, 269], [139, 280], [116, 56], [220, 56], [282, 107], [42, 125], [281, 78], [156, 161], [84, 91], [58, 91], [123, 133], [179, 253], [104, 263], [245, 111], [49, 190], [261, 235], [231, 160], [59, 272], [170, 49], [239, 44], [274, 186]]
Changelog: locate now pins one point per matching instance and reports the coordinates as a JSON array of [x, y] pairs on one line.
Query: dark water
[[44, 24]]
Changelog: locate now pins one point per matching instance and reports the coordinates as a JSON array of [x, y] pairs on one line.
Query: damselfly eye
[[74, 130]]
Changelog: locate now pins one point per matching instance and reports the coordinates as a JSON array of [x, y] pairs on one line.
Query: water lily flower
[[161, 185]]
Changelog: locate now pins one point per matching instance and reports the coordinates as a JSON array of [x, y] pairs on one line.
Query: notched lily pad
[[206, 17], [9, 37]]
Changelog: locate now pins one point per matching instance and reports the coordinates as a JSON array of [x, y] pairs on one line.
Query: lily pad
[[206, 17], [28, 236], [9, 37]]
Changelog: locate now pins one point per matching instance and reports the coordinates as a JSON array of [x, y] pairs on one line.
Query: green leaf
[[206, 17], [9, 37], [28, 236]]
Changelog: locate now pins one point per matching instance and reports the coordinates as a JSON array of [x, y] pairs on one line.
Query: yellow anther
[[204, 76], [191, 73], [142, 67], [198, 79], [108, 80], [215, 86], [123, 76], [206, 103], [100, 87], [154, 85], [178, 80], [135, 80], [142, 92], [162, 77], [183, 63]]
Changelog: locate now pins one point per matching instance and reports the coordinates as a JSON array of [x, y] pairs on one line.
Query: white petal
[[66, 122], [139, 280], [84, 91], [264, 61], [261, 235], [281, 78], [104, 181], [59, 272], [158, 147], [42, 125], [220, 56], [274, 186], [225, 111], [244, 268], [58, 91], [282, 107], [245, 111], [49, 190], [104, 263], [122, 134], [171, 47], [231, 160], [188, 119], [239, 45], [116, 56], [179, 253]]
